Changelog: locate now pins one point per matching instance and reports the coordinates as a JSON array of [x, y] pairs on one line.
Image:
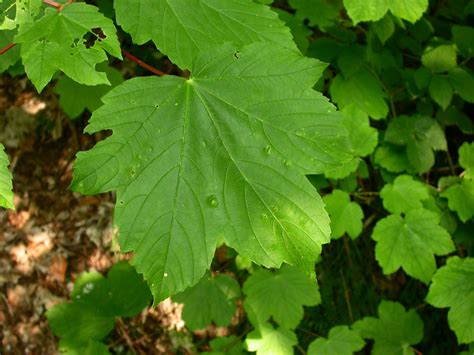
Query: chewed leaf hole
[[95, 34], [74, 43]]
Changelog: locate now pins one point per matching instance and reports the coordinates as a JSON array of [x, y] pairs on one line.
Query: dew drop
[[287, 162], [204, 144], [121, 203], [165, 274], [176, 104], [300, 133], [212, 201], [267, 150], [264, 217], [132, 102], [274, 208]]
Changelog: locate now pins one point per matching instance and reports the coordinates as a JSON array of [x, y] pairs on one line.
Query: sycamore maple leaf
[[222, 153]]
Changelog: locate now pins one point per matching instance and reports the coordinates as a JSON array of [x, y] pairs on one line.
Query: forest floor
[[54, 234]]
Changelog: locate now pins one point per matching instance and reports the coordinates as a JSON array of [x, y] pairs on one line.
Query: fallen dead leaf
[[57, 268]]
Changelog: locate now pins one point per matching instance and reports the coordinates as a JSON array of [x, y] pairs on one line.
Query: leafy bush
[[237, 148]]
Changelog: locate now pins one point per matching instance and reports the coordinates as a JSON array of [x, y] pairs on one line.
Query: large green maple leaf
[[453, 286], [222, 153], [6, 194], [199, 25], [73, 41]]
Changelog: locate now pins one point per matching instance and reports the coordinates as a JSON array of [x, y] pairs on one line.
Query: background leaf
[[6, 193], [211, 300]]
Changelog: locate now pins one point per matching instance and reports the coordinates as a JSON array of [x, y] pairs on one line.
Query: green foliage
[[393, 331], [362, 140], [373, 10], [320, 13], [6, 193], [75, 98], [466, 160], [420, 136], [460, 197], [60, 41], [460, 192], [346, 216], [341, 340], [362, 89], [403, 195], [453, 287], [280, 295], [462, 81], [269, 340], [13, 55], [411, 242], [211, 300], [230, 345], [440, 59], [96, 301], [18, 12]]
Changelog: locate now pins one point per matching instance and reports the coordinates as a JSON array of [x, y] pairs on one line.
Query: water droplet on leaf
[[267, 150], [212, 201]]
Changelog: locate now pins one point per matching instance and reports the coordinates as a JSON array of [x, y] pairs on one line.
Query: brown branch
[[7, 48], [142, 63], [52, 3]]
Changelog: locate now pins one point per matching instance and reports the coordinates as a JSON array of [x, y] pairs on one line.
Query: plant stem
[[142, 63], [52, 3], [7, 48], [346, 296]]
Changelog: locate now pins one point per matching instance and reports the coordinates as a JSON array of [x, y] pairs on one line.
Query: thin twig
[[123, 330], [52, 3], [450, 162], [301, 349], [142, 63], [346, 296], [7, 48]]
